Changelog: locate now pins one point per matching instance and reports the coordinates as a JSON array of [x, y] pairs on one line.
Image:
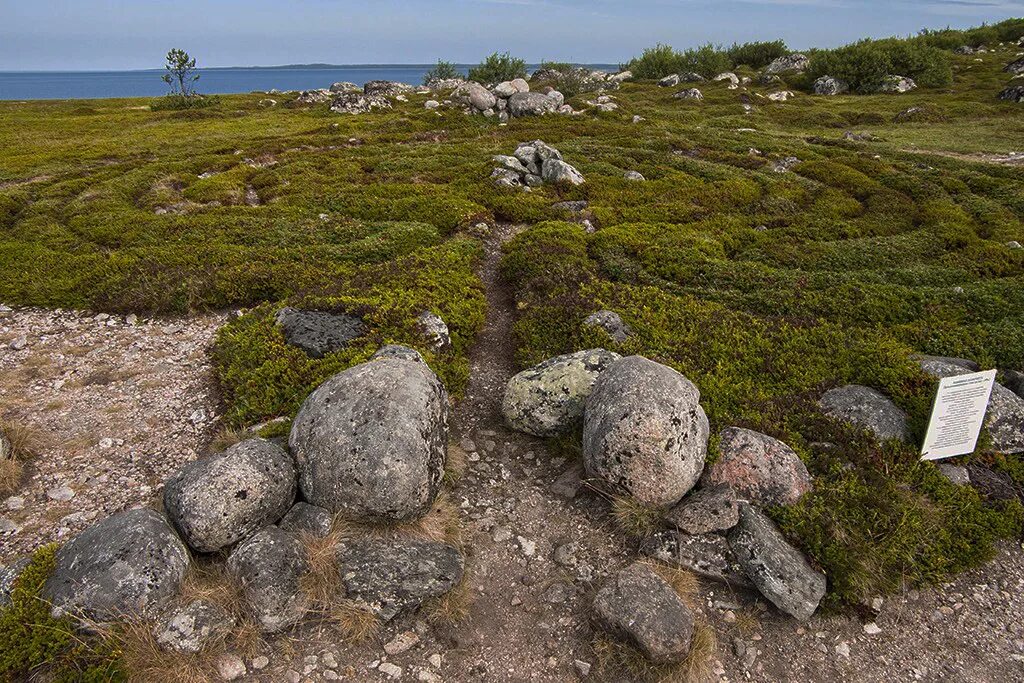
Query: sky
[[98, 35]]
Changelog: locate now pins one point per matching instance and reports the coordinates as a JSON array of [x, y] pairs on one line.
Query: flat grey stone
[[270, 566], [868, 409], [319, 333]]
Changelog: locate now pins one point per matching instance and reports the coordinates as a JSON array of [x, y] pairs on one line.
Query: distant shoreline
[[283, 67]]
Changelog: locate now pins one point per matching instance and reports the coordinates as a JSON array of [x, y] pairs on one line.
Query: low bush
[[442, 71], [179, 102], [497, 68], [757, 55], [864, 65], [662, 60]]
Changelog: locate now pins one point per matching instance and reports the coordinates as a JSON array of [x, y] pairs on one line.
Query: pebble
[[843, 649], [582, 668], [14, 503], [529, 547], [401, 643], [260, 663], [60, 494], [230, 667], [501, 534], [390, 670], [435, 660], [328, 660], [872, 629]]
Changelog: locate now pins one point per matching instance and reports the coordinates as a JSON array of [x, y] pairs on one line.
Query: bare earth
[[536, 552]]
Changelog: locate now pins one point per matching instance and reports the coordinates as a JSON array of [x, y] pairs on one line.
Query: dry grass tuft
[[144, 661], [455, 465], [225, 439], [634, 518], [441, 524], [355, 621], [26, 442], [322, 583], [684, 583], [212, 583], [453, 607], [11, 472], [615, 658]]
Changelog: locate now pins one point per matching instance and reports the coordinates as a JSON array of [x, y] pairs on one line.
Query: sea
[[61, 85]]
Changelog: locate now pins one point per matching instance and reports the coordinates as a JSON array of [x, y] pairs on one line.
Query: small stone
[[330, 675], [582, 668], [329, 660], [843, 649], [529, 547], [260, 663], [60, 494], [390, 670], [230, 667], [19, 343], [435, 660], [501, 534], [401, 643], [872, 629]]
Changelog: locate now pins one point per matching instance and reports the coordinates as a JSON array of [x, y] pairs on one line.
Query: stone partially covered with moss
[[548, 399], [371, 441], [8, 575], [759, 468], [269, 567], [868, 409], [319, 333], [640, 607], [644, 432], [779, 570], [219, 500], [129, 564]]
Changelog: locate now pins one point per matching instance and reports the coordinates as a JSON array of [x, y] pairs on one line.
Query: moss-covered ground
[[765, 288]]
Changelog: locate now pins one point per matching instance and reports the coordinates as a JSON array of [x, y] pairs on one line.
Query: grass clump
[[864, 65], [497, 68], [757, 55], [179, 102], [24, 445]]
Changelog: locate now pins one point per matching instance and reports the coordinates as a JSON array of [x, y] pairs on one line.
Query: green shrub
[[179, 102], [442, 71], [662, 60], [562, 67], [864, 65], [497, 68], [757, 55]]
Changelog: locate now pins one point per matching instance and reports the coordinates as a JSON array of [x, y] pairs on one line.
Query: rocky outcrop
[[435, 331], [386, 88], [644, 432], [713, 508], [344, 86], [795, 63], [508, 99], [868, 409], [533, 164], [897, 85], [8, 575], [548, 399], [192, 627], [761, 469], [314, 96], [669, 81], [217, 501], [127, 565], [1015, 67], [269, 568], [371, 441], [392, 576], [826, 85], [1014, 93], [780, 572], [690, 94], [358, 103], [781, 96], [559, 172], [319, 333], [611, 323], [531, 104], [640, 607]]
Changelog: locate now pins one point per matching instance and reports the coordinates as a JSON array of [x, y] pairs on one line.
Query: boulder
[[556, 97], [706, 555], [371, 441], [669, 81], [559, 172], [474, 95], [691, 77], [8, 575], [964, 50], [1015, 67], [868, 409], [1014, 381], [304, 518], [511, 163], [1005, 417], [520, 85], [897, 84], [344, 86], [734, 80], [386, 88], [358, 103], [955, 474], [620, 77], [640, 607], [781, 96], [644, 432], [542, 150], [611, 323], [1015, 93], [129, 564], [319, 333], [400, 352], [759, 468], [530, 104], [505, 89], [314, 96], [634, 175], [192, 627], [435, 330], [548, 399], [713, 508], [780, 572], [391, 576], [690, 94], [269, 568], [504, 177], [994, 485], [219, 500], [578, 206], [789, 64], [826, 85]]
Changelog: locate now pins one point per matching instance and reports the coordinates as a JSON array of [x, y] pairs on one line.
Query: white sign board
[[958, 415]]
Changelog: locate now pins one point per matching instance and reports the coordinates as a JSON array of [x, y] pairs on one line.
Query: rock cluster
[[1015, 67], [532, 165], [897, 84], [508, 99], [690, 94], [826, 85], [795, 63]]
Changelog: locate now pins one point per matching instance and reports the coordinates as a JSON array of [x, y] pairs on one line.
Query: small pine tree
[[181, 73]]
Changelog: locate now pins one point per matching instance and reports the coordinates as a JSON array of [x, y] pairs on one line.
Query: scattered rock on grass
[[319, 333], [548, 399], [269, 566], [690, 94], [610, 322], [868, 409], [759, 468], [780, 572], [434, 328], [392, 576], [192, 627], [371, 441], [642, 608], [1015, 67], [669, 81], [794, 63], [644, 431], [129, 564], [897, 84], [358, 103], [219, 500], [1014, 93]]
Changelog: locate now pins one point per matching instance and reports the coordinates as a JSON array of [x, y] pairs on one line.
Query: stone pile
[[508, 100], [369, 444], [532, 165]]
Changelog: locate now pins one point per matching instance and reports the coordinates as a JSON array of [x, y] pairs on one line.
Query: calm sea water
[[49, 85]]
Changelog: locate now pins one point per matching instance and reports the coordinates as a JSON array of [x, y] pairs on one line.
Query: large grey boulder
[[344, 86], [129, 564], [1005, 417], [219, 500], [548, 399], [371, 441], [559, 172], [640, 607], [386, 88], [1014, 381], [304, 518], [868, 409], [391, 576], [710, 509], [1015, 67], [530, 104], [644, 432], [759, 468], [779, 570], [826, 85], [319, 333], [669, 81], [611, 323], [706, 555], [789, 64], [474, 95], [269, 566], [8, 575], [192, 627]]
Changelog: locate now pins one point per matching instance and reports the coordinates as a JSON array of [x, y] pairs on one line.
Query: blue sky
[[75, 34]]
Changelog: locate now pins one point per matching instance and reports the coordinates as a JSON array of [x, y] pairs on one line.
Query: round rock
[[644, 432], [530, 104], [217, 501], [371, 441], [759, 468], [192, 627], [868, 409], [549, 398], [270, 566], [131, 563]]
